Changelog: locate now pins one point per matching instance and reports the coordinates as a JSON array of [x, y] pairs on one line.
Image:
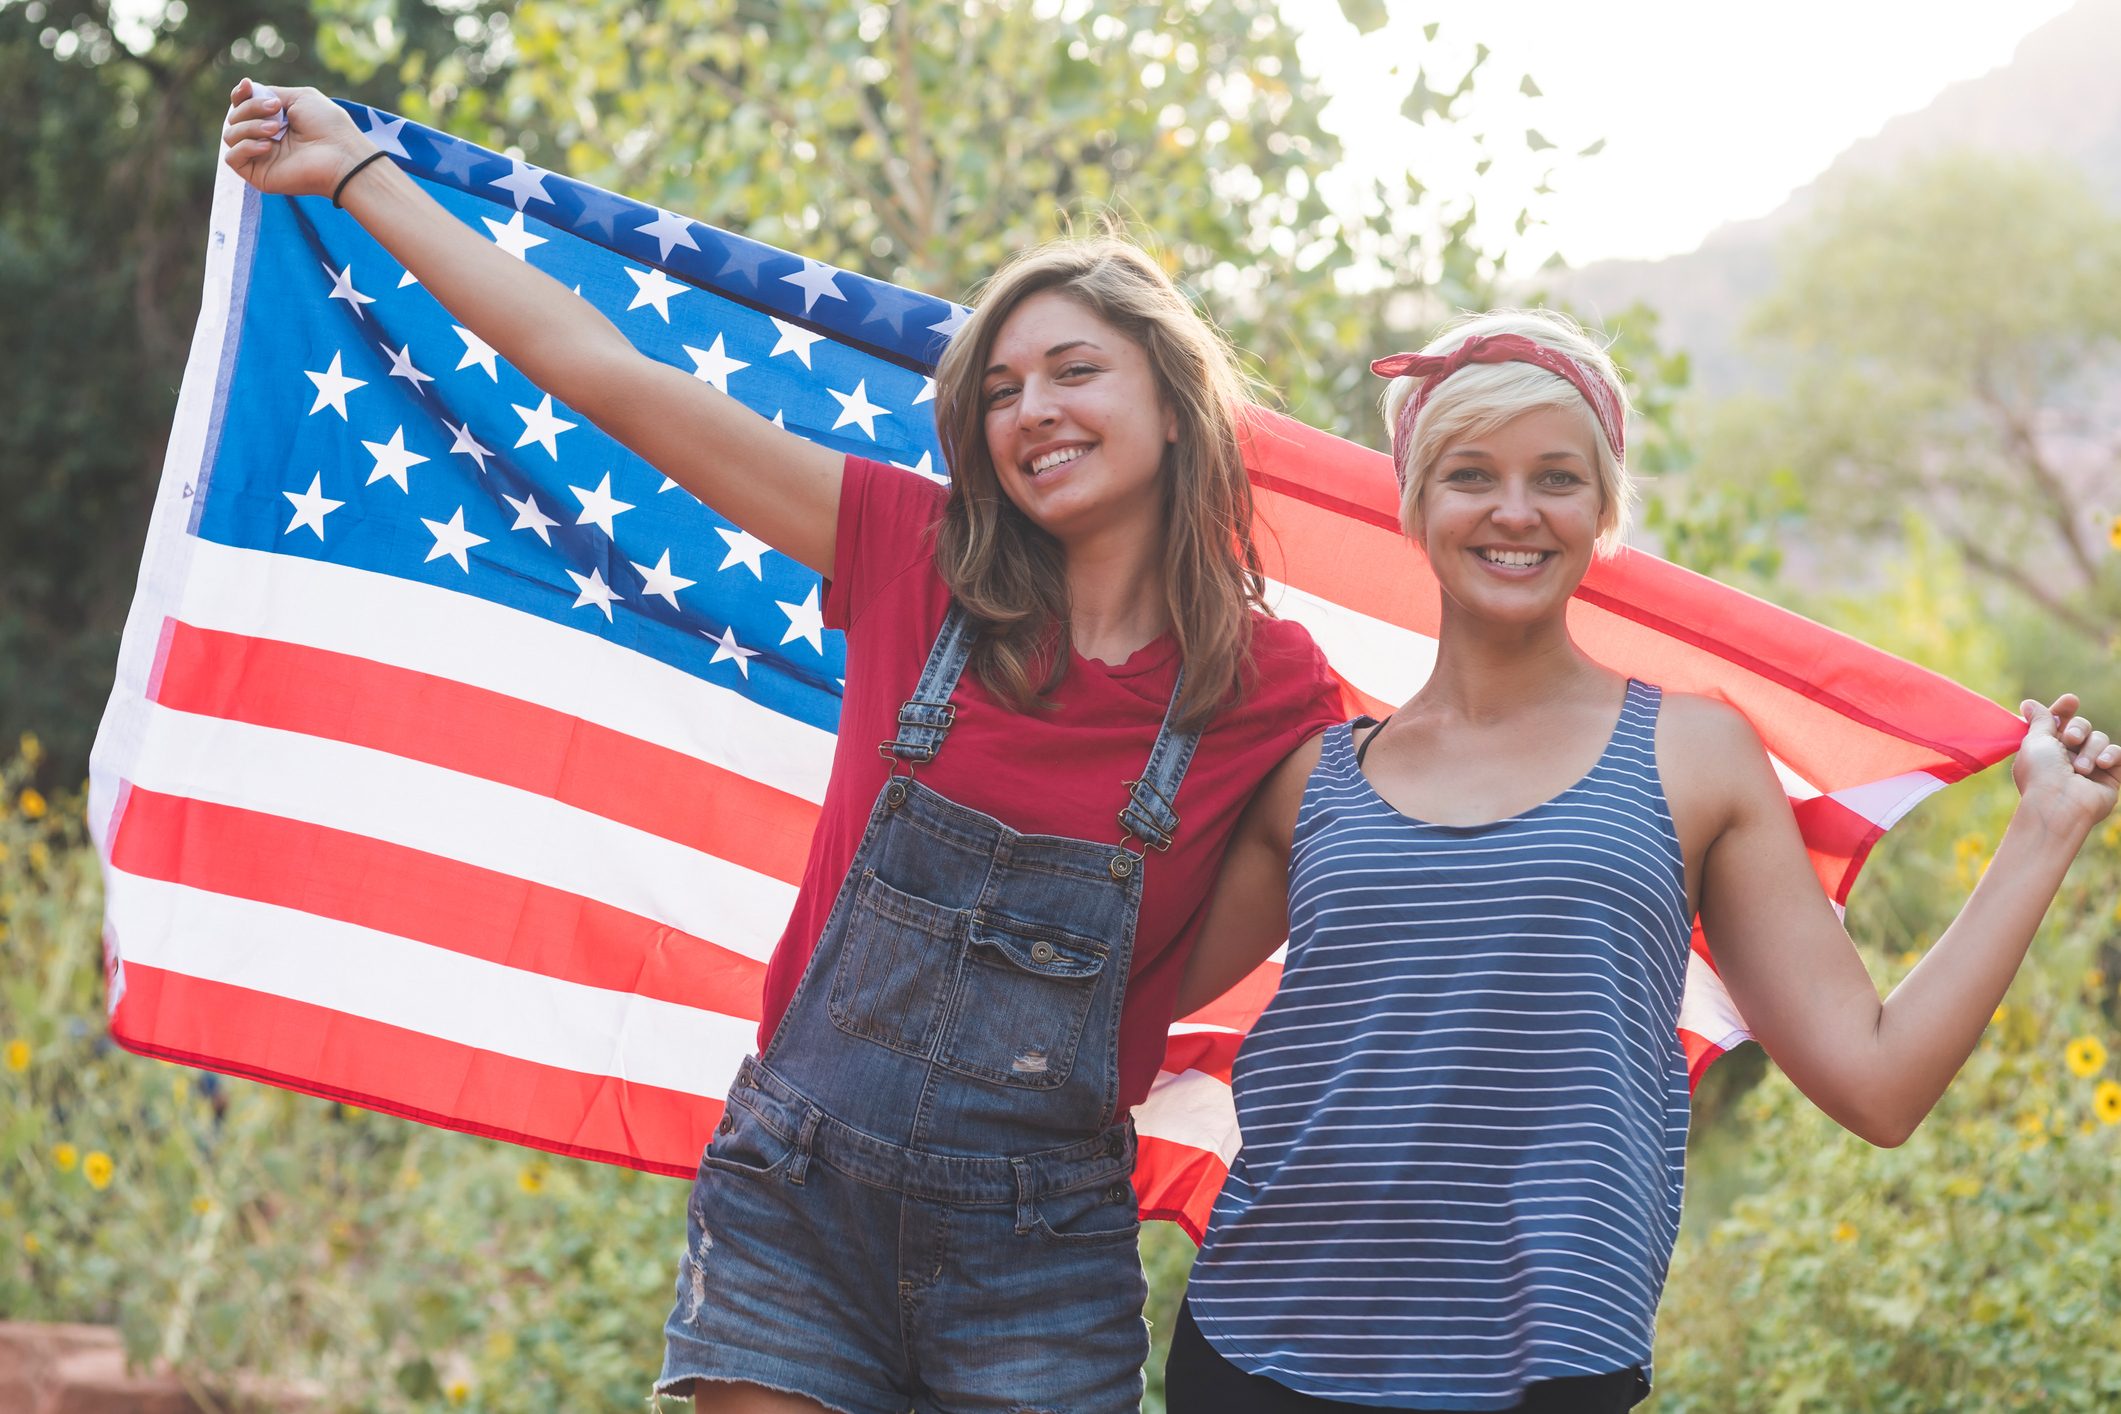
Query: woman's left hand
[[2067, 771]]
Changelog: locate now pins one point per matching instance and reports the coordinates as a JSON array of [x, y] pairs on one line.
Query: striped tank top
[[1465, 1110]]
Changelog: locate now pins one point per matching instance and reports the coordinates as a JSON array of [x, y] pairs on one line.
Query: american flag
[[461, 766]]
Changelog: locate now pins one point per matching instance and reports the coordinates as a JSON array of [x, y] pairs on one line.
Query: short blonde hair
[[1481, 397]]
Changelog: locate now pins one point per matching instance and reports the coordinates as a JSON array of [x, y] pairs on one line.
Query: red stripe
[[376, 1066], [442, 902], [1239, 1007], [1177, 1183], [492, 736], [1209, 1052]]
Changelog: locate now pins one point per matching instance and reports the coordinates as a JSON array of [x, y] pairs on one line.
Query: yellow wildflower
[[65, 1156], [531, 1178], [2094, 980], [32, 749], [1963, 1187], [97, 1169], [1999, 1015], [2106, 1101], [202, 1205], [2111, 835], [40, 856], [30, 1244], [1910, 958], [30, 803], [500, 1346], [1844, 1231], [2113, 533], [18, 1055], [2086, 1056], [457, 1392]]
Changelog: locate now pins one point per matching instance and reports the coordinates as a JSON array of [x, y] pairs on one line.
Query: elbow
[[1883, 1126]]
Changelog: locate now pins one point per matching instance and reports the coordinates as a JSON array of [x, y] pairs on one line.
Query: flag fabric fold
[[461, 766]]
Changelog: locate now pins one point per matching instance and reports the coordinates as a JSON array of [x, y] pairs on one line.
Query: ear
[[1171, 426]]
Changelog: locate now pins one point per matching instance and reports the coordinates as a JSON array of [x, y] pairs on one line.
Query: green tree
[[1945, 328]]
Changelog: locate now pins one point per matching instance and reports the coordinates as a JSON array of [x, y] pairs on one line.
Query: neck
[[1487, 672], [1116, 601]]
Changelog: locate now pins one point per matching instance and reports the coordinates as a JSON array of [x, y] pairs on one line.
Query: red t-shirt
[[1061, 772]]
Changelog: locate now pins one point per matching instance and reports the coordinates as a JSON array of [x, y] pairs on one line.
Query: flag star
[[311, 507], [951, 322], [599, 210], [669, 229], [388, 136], [668, 485], [856, 407], [599, 507], [530, 517], [542, 427], [728, 650], [524, 182], [924, 467], [342, 288], [654, 287], [927, 394], [456, 158], [747, 259], [890, 305], [794, 339], [401, 367], [332, 388], [714, 365], [476, 350], [514, 237], [467, 444], [594, 591], [815, 281], [804, 621], [658, 579], [745, 549], [777, 422], [452, 539], [392, 460], [408, 278]]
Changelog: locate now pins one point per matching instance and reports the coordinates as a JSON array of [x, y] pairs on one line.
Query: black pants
[[1197, 1380]]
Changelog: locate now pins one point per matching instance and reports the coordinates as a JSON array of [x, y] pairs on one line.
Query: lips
[[1514, 559]]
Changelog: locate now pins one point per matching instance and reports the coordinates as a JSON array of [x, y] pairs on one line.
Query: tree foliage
[[1952, 332]]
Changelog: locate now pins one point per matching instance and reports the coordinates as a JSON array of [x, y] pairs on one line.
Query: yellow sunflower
[[97, 1169], [64, 1157], [2086, 1056], [2106, 1101], [18, 1056]]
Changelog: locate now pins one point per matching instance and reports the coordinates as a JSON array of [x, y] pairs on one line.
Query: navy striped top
[[1465, 1111]]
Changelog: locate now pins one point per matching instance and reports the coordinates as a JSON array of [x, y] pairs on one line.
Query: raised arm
[[1877, 1067], [1248, 914], [772, 483]]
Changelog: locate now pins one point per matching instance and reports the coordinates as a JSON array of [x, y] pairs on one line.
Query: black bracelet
[[353, 172]]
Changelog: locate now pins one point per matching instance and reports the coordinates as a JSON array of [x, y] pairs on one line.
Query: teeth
[[1054, 459], [1516, 559]]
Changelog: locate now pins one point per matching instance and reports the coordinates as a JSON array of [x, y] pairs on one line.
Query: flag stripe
[[340, 1056], [423, 717], [452, 996], [483, 644], [460, 817], [432, 900]]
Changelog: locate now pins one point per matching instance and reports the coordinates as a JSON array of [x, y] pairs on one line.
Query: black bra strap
[[1364, 749]]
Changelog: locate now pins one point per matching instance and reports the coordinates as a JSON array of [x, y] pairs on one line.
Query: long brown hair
[[1010, 575]]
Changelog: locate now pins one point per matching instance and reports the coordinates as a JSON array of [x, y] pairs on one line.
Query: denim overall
[[919, 1197]]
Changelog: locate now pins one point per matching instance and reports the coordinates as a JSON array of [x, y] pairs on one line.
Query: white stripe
[[1884, 803], [1386, 661], [422, 988], [460, 817], [1193, 1109], [1706, 1008], [461, 637]]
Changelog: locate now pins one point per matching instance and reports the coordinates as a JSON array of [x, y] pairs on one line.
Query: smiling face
[[1073, 419], [1510, 519]]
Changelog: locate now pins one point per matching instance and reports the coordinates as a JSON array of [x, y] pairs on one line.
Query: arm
[[1875, 1067], [772, 483], [1248, 912]]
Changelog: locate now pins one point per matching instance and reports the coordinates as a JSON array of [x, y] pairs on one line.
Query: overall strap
[[1149, 816], [926, 717]]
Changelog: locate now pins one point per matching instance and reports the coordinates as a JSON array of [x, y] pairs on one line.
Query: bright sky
[[1710, 112]]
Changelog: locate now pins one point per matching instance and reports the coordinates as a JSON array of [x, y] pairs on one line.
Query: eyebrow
[[1483, 455], [1055, 352]]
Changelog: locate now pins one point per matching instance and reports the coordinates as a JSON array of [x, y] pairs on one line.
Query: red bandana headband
[[1432, 369]]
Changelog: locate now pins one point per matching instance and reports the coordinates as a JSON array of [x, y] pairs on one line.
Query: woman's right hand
[[321, 144]]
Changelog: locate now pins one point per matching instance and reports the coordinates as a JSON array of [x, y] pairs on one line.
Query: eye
[[1466, 475], [1564, 480], [1078, 370], [999, 393]]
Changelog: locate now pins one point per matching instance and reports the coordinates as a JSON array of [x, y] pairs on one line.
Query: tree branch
[[2055, 497]]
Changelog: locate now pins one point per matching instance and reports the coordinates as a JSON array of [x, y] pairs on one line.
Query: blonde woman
[[1465, 1110], [1061, 691]]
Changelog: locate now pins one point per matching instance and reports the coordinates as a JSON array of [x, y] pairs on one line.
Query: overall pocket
[[1021, 1004], [745, 1145], [896, 956]]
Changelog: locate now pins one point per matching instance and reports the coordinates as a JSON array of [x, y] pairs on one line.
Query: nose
[[1514, 509], [1035, 405]]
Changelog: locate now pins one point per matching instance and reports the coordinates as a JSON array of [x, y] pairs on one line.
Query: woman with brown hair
[[919, 1196]]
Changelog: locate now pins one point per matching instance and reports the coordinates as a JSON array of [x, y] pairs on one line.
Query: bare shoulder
[[1271, 817], [1712, 760]]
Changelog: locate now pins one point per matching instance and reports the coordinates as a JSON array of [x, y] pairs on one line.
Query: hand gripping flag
[[461, 766]]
